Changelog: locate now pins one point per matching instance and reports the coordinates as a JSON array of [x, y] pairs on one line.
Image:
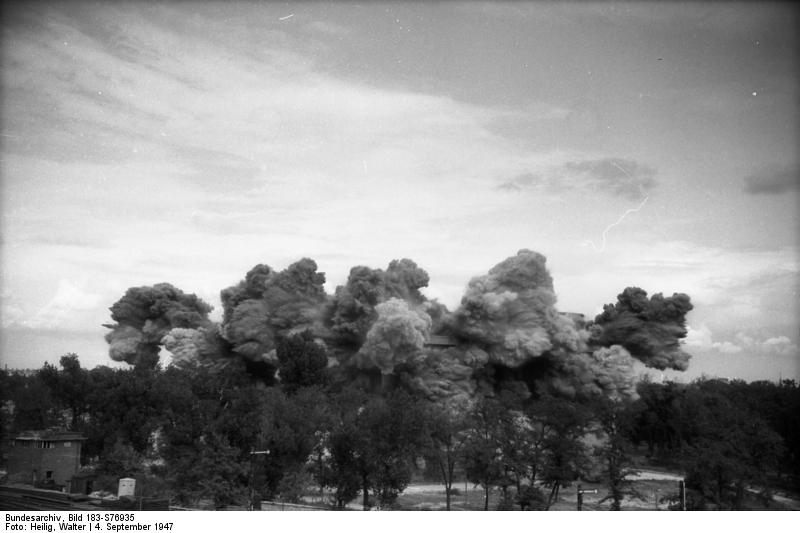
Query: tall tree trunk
[[553, 495], [366, 493], [486, 497]]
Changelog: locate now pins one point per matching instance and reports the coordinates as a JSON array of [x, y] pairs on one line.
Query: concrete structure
[[45, 457]]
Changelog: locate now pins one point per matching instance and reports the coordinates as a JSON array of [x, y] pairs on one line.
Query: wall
[[63, 459]]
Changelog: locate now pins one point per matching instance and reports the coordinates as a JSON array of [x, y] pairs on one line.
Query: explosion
[[144, 315], [354, 303], [650, 330], [268, 305], [510, 312], [506, 334]]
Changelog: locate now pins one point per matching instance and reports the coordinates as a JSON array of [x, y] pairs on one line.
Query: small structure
[[81, 483], [127, 488], [45, 458]]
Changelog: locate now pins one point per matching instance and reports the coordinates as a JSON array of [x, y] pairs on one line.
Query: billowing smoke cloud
[[268, 305], [404, 279], [354, 303], [506, 335], [144, 315], [650, 329], [510, 313], [446, 376], [606, 371], [396, 337], [195, 344]]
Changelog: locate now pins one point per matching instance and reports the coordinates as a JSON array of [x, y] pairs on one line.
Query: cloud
[[780, 345], [773, 181], [71, 300], [624, 178], [702, 339]]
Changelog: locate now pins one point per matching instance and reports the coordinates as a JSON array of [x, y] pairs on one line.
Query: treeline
[[211, 432]]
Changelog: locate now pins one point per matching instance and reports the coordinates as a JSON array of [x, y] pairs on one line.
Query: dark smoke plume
[[510, 312], [506, 335], [144, 315], [354, 303], [269, 305], [606, 371], [396, 337], [651, 330]]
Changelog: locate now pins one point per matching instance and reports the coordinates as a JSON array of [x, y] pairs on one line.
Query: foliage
[[732, 449], [376, 439], [69, 387], [302, 362], [564, 454], [194, 424], [616, 449], [482, 456], [444, 447], [290, 428]]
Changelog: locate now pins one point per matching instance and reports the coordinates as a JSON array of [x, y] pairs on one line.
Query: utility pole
[[581, 492]]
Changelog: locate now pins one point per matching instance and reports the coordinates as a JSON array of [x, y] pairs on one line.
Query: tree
[[29, 400], [211, 469], [731, 451], [376, 438], [209, 425], [125, 405], [343, 464], [656, 419], [302, 362], [564, 455], [482, 463], [445, 446], [397, 430], [340, 471], [290, 430], [70, 386], [615, 451]]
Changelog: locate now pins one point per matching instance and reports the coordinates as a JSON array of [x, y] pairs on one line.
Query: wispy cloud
[[624, 178], [701, 340]]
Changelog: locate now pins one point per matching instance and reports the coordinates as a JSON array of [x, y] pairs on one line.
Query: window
[[48, 474], [67, 444], [46, 444]]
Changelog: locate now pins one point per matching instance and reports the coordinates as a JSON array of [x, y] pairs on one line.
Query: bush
[[294, 485], [531, 498]]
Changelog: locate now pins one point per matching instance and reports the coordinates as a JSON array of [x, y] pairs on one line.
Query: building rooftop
[[50, 435]]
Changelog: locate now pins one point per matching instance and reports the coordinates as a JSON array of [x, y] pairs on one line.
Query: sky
[[633, 144]]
